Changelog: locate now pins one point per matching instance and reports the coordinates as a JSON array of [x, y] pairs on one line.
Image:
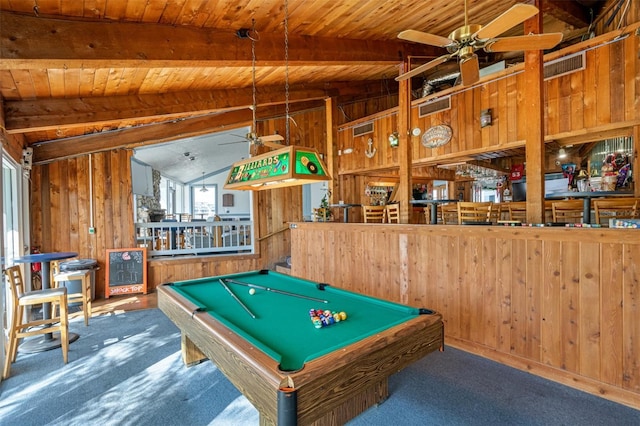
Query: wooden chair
[[567, 211], [497, 211], [373, 214], [470, 212], [427, 214], [392, 213], [615, 208], [449, 214], [517, 211], [84, 296], [20, 326]]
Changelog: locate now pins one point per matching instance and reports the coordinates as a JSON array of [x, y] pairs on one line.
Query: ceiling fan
[[252, 136], [464, 41]]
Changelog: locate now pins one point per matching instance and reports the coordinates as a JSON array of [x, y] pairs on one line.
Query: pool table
[[256, 327]]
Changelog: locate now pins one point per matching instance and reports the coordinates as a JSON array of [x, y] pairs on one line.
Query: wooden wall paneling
[[454, 301], [590, 327], [576, 102], [616, 78], [570, 309], [512, 100], [611, 339], [494, 131], [590, 89], [551, 112], [631, 82], [488, 268], [519, 300], [84, 240], [551, 325], [73, 206], [504, 286], [534, 266], [520, 119], [102, 216], [631, 313], [603, 74], [500, 112], [565, 112]]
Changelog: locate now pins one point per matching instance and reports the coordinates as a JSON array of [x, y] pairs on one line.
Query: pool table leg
[[191, 355]]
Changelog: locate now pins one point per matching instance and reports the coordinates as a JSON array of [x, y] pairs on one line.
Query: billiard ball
[[252, 291]]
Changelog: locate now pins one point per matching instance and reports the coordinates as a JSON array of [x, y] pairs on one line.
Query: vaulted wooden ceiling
[[73, 68]]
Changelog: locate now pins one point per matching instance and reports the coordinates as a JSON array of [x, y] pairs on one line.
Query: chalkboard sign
[[126, 271]]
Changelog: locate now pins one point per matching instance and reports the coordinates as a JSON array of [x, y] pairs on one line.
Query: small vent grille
[[363, 129], [434, 106], [563, 66]]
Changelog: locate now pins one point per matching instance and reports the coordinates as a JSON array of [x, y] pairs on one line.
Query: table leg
[[346, 214], [586, 210], [434, 213]]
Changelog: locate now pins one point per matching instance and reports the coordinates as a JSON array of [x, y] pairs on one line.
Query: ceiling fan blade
[[422, 68], [515, 15], [527, 42], [272, 145], [425, 38], [470, 70], [270, 138]]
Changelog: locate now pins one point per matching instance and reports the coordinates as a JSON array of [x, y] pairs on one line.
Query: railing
[[193, 238]]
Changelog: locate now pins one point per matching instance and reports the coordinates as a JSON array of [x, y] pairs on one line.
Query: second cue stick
[[286, 293], [236, 297]]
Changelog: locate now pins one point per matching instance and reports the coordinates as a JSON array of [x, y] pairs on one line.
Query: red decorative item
[[36, 266], [517, 171]]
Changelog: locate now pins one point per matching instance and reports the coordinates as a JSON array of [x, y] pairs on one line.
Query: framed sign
[[126, 271]]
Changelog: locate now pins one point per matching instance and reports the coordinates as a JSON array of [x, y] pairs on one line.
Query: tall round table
[[47, 341]]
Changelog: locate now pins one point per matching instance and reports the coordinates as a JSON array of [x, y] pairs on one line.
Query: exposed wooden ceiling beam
[[570, 12], [48, 114], [151, 134], [52, 114], [28, 42]]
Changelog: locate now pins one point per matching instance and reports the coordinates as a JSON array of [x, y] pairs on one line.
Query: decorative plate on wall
[[437, 136]]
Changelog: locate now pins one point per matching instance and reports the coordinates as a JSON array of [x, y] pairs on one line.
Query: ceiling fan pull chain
[[286, 67]]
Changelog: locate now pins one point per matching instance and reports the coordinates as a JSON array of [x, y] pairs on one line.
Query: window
[[204, 201]]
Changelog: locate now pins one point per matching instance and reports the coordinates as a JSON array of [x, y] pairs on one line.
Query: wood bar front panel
[[559, 302]]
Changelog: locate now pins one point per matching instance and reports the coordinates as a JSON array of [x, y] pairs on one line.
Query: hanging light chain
[[286, 69]]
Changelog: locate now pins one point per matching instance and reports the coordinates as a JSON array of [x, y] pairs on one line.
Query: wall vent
[[363, 129], [434, 106], [565, 65]]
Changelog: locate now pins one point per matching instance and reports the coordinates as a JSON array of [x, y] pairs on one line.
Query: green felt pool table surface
[[282, 327]]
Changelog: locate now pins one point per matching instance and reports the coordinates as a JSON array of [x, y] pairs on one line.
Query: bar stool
[[20, 326], [84, 296]]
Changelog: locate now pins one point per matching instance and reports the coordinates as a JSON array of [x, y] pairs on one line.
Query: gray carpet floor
[[125, 369]]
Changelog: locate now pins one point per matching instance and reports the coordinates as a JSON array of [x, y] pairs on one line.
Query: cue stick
[[236, 297], [276, 291]]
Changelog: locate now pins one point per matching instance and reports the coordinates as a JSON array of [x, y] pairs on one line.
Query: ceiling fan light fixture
[[562, 153]]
